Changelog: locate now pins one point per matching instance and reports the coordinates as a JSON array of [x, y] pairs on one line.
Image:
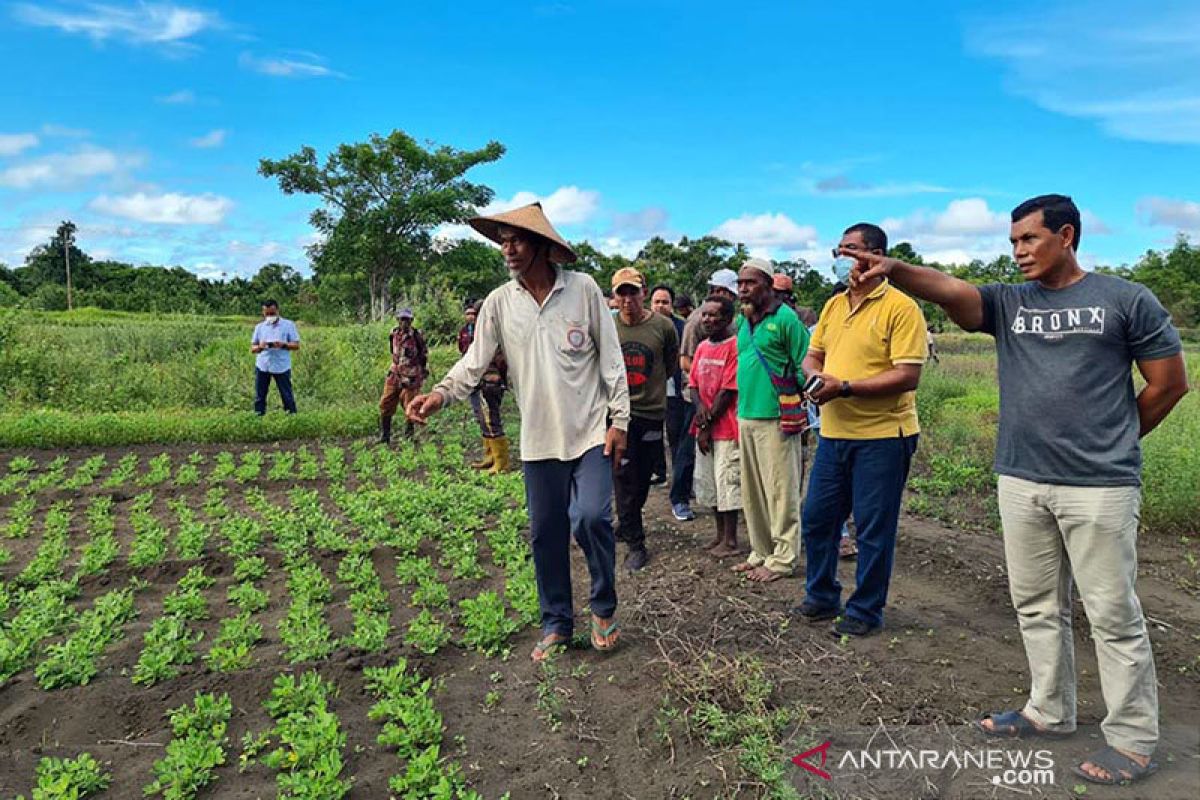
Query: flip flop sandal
[[599, 634], [543, 649], [1014, 725], [1114, 763]]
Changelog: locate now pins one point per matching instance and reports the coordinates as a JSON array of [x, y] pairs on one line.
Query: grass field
[[958, 402], [106, 379]]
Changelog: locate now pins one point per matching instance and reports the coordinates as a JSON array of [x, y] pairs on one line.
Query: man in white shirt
[[272, 344], [568, 375]]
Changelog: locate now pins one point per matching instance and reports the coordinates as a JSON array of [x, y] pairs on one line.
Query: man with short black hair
[[722, 283], [272, 343], [718, 472], [1069, 464], [683, 306], [867, 350]]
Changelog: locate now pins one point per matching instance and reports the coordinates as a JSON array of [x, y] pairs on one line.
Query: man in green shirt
[[771, 341], [650, 346]]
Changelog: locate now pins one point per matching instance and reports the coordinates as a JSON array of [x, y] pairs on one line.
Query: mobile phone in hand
[[814, 384]]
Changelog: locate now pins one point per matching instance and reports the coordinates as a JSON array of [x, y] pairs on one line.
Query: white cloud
[[767, 233], [966, 229], [214, 138], [1134, 71], [12, 144], [298, 65], [180, 98], [64, 170], [159, 24], [168, 209], [567, 205], [1183, 215]]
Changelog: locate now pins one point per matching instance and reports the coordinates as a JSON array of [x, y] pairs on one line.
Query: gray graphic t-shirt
[[1068, 412]]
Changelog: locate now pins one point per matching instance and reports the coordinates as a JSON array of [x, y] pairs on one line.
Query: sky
[[772, 124]]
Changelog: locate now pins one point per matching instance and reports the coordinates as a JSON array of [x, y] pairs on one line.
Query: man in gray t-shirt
[[1074, 344], [1070, 467]]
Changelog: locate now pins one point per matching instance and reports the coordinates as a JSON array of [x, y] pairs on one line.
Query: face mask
[[272, 318], [841, 268]]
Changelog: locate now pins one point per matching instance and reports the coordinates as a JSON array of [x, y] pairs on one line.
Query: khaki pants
[[395, 396], [1052, 533], [771, 476]]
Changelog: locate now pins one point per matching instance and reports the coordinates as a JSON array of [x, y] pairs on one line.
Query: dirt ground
[[949, 652]]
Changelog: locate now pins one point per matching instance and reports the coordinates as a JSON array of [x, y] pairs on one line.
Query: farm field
[[192, 575], [325, 618]]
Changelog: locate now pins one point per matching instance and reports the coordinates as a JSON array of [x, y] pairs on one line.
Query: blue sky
[[772, 124]]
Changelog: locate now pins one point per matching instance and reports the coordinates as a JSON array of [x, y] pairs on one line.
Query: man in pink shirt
[[718, 476]]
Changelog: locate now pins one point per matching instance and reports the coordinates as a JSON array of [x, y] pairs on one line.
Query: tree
[[47, 263], [905, 252], [1174, 277], [382, 198], [470, 267]]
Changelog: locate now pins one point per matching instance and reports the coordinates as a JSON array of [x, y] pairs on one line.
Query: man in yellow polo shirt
[[867, 349]]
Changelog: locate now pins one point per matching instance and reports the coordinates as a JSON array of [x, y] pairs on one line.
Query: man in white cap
[[771, 347], [722, 283], [406, 375], [568, 375]]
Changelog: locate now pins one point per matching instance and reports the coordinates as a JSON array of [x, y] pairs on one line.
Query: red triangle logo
[[802, 760]]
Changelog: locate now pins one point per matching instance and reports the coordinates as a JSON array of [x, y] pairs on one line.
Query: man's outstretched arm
[[962, 301]]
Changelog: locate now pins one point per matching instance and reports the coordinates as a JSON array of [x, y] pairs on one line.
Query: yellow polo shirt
[[886, 329]]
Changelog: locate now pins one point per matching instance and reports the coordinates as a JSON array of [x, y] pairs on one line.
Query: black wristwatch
[[846, 391]]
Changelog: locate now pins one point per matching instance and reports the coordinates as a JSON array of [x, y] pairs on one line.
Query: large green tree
[[381, 201]]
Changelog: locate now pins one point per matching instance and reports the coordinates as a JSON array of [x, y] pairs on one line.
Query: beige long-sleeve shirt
[[564, 365]]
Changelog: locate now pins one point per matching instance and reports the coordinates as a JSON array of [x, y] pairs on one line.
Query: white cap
[[762, 265], [724, 279]]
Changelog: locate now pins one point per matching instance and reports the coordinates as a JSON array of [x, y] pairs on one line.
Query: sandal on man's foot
[[600, 634], [548, 645], [1122, 770], [1015, 725]]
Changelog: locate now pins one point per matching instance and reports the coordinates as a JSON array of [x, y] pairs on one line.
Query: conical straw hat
[[528, 218]]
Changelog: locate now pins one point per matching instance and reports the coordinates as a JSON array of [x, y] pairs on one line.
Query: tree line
[[379, 204]]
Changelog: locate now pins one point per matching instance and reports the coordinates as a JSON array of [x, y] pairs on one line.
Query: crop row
[[368, 463]]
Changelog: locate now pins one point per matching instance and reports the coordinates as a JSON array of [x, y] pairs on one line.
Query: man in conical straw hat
[[567, 372]]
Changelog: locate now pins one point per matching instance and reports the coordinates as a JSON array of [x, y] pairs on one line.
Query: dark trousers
[[631, 478], [262, 383], [565, 498], [485, 402], [683, 462], [865, 476]]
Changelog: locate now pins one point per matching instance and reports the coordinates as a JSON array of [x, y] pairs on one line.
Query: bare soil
[[949, 653]]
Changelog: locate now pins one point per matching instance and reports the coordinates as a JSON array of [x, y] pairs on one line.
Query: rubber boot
[[489, 455], [385, 430], [500, 451]]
